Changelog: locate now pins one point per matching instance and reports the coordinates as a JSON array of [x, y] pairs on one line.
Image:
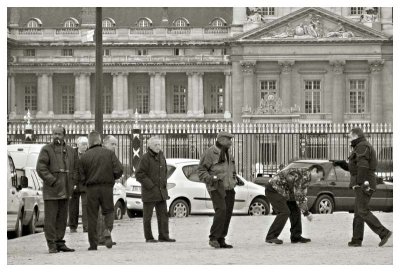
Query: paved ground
[[329, 234]]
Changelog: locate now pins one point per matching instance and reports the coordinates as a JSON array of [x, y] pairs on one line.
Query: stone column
[[77, 112], [43, 96], [387, 80], [248, 69], [51, 95], [157, 94], [286, 83], [163, 106], [387, 20], [239, 16], [376, 91], [88, 113], [338, 91], [228, 95], [124, 94], [237, 92], [12, 95], [190, 94], [115, 95], [152, 110], [200, 97]]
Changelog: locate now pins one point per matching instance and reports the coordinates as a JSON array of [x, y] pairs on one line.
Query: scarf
[[357, 141], [224, 152]]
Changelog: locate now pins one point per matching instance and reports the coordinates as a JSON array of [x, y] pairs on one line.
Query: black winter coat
[[55, 185], [152, 174], [362, 163], [99, 166]]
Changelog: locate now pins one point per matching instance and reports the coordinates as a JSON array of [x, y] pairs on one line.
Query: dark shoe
[[225, 245], [64, 248], [385, 238], [274, 241], [72, 230], [92, 248], [53, 250], [151, 241], [214, 243], [108, 240], [104, 243], [300, 240], [354, 244], [167, 240]]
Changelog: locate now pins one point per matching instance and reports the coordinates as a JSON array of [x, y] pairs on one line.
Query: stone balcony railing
[[323, 117], [356, 117], [199, 59], [124, 33]]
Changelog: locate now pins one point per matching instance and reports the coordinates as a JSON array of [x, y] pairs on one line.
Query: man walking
[[111, 143], [78, 192], [99, 168], [57, 167], [152, 174], [287, 192], [362, 166], [217, 170]]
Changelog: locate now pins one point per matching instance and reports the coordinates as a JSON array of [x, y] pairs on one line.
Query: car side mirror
[[239, 181], [24, 182]]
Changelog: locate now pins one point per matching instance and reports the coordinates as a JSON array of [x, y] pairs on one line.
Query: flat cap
[[358, 131], [224, 134]]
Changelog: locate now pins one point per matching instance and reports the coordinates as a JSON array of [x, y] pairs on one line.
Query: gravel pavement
[[329, 234]]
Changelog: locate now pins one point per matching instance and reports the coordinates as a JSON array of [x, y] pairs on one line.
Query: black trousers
[[284, 209], [223, 207], [73, 208], [363, 214], [55, 221], [162, 219], [99, 196]]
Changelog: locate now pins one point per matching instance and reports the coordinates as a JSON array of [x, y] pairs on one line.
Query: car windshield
[[298, 165], [170, 171]]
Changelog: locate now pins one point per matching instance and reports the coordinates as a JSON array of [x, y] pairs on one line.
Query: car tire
[[31, 227], [324, 205], [118, 211], [134, 213], [259, 206], [179, 208], [18, 228]]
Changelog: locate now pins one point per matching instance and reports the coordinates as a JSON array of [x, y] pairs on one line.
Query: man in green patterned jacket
[[287, 192]]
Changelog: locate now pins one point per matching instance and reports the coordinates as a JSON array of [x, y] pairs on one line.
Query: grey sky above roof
[[124, 16]]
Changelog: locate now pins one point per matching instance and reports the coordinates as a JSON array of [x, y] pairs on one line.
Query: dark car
[[332, 193]]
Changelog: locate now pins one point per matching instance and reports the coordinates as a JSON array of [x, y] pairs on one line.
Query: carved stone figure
[[289, 32], [254, 15]]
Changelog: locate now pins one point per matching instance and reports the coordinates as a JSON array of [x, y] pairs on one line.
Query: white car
[[26, 155], [189, 196]]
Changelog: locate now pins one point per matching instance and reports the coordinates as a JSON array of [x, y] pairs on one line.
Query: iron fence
[[259, 149]]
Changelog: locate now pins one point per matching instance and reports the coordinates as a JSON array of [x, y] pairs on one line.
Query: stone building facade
[[279, 65]]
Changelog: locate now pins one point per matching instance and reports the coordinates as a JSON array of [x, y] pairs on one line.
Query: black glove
[[342, 164]]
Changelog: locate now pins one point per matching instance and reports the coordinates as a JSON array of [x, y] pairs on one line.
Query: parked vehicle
[[188, 195], [26, 156], [332, 192], [32, 198], [14, 201]]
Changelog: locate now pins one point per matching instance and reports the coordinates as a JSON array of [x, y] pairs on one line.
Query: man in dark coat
[[79, 192], [362, 166], [98, 169], [152, 174], [218, 171], [57, 166]]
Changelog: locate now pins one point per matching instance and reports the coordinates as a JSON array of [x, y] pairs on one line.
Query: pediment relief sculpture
[[311, 27]]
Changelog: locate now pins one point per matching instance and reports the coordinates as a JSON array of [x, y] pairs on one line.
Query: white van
[[26, 155]]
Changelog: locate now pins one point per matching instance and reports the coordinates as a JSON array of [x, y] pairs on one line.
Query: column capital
[[248, 67], [191, 73], [42, 74], [228, 73], [162, 73], [124, 73], [86, 73], [152, 73], [376, 65], [337, 66], [11, 74], [77, 74], [286, 66], [114, 74], [200, 73]]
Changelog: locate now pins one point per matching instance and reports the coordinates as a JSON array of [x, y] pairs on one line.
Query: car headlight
[[170, 185]]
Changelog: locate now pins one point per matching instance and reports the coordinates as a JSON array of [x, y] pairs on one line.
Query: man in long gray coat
[[152, 174], [57, 166]]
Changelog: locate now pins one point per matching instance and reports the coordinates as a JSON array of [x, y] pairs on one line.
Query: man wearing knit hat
[[217, 170], [362, 166]]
